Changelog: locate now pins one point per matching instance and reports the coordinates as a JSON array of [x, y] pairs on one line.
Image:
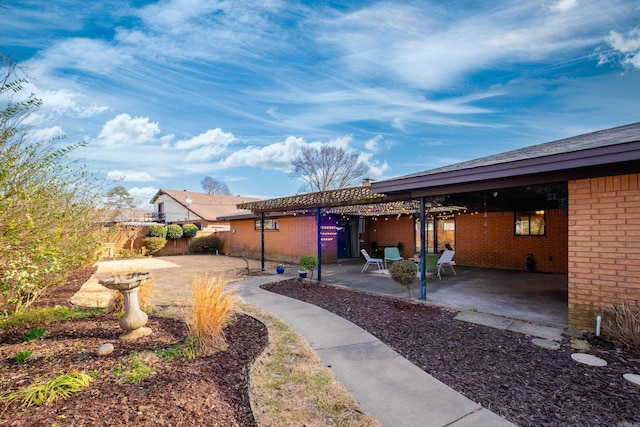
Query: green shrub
[[153, 244], [34, 333], [308, 263], [22, 356], [189, 230], [205, 245], [404, 273], [174, 231], [157, 231]]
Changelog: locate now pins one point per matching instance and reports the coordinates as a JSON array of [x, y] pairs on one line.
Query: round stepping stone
[[588, 359], [548, 344], [104, 349], [633, 379]]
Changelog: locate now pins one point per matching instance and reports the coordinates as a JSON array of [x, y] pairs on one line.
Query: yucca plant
[[212, 308], [48, 392]]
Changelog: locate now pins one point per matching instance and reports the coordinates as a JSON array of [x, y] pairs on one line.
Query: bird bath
[[134, 319]]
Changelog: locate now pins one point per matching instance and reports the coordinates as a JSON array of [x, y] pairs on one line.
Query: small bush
[[404, 273], [621, 323], [205, 245], [174, 231], [50, 391], [212, 308], [22, 356], [308, 263], [153, 244], [157, 231], [189, 230], [33, 334]]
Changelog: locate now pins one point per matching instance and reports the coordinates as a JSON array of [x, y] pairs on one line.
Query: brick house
[[573, 204]]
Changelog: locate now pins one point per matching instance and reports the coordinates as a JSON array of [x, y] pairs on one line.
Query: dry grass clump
[[621, 323], [212, 308], [290, 386]]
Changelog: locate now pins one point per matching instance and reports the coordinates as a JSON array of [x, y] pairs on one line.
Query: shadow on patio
[[536, 297]]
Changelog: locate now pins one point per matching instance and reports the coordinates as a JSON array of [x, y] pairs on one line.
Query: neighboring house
[[110, 217], [202, 209], [573, 204]]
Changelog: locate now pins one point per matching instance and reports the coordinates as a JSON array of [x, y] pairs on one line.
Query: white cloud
[[373, 143], [207, 145], [564, 5], [276, 156], [626, 46], [125, 131], [142, 196], [46, 134], [130, 176]]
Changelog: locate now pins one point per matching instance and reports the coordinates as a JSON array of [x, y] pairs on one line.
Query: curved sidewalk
[[389, 387]]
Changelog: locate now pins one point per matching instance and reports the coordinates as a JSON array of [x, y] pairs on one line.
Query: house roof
[[209, 207], [594, 154]]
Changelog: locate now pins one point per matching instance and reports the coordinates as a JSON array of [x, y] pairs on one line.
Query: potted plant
[[280, 269], [307, 264]]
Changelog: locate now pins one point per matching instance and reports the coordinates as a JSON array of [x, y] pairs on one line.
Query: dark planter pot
[[280, 270], [302, 274]]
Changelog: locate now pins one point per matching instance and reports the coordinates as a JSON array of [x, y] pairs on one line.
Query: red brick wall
[[496, 246], [604, 246], [389, 231], [295, 237]]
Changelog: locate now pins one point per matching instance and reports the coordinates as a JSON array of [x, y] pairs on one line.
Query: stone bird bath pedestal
[[134, 319]]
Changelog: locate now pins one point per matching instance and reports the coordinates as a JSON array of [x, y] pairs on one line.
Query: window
[[269, 224], [530, 223]]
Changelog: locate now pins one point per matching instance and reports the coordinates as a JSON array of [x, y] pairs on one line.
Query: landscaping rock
[[581, 345], [588, 359], [104, 349], [633, 379], [548, 344]]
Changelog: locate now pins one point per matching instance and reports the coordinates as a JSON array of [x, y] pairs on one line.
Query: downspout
[[262, 240], [423, 252]]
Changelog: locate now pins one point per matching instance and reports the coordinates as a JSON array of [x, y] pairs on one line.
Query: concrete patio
[[535, 297]]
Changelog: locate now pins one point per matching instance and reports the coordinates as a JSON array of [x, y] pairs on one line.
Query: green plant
[[210, 244], [404, 273], [212, 308], [22, 356], [157, 231], [189, 230], [153, 244], [137, 368], [621, 323], [308, 263], [48, 392], [37, 316], [174, 231], [48, 212], [33, 334]]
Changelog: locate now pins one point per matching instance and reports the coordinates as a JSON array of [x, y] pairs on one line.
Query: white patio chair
[[376, 261], [446, 259]]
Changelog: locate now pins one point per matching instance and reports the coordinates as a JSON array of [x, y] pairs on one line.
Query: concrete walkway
[[389, 387]]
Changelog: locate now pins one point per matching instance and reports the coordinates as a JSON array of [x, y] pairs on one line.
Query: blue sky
[[168, 92]]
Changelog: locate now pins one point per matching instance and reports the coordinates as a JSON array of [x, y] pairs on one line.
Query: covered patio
[[535, 297]]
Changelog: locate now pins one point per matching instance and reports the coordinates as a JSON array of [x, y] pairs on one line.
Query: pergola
[[356, 201]]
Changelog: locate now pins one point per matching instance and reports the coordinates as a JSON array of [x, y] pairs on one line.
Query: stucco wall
[[604, 246]]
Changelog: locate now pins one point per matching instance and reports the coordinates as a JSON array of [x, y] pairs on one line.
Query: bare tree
[[328, 168], [212, 186]]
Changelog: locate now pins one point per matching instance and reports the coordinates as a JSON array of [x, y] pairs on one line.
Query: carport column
[[423, 252], [262, 240], [319, 227]]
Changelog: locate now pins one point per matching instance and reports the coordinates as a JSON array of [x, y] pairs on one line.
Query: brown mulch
[[502, 370], [204, 391]]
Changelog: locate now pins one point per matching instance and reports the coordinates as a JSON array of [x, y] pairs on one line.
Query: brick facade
[[604, 245], [496, 245]]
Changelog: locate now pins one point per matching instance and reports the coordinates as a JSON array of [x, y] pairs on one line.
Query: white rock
[[633, 379], [588, 359], [104, 349]]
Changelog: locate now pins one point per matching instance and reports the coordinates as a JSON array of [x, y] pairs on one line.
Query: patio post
[[319, 228], [423, 252], [262, 240]]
